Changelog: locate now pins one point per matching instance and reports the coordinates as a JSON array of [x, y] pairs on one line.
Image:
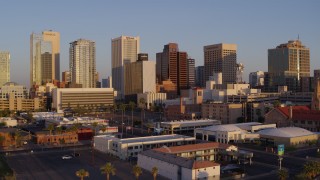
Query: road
[[50, 165]]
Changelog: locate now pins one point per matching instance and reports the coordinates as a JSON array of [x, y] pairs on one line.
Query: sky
[[255, 26]]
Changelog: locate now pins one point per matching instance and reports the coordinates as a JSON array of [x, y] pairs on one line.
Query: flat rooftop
[[193, 147], [155, 138], [148, 138], [192, 121], [179, 161]]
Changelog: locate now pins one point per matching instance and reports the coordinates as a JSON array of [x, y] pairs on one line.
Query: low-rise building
[[289, 136], [66, 98], [43, 137], [151, 99], [175, 167], [186, 126], [299, 116], [130, 147], [227, 113], [231, 132], [22, 104], [8, 121]]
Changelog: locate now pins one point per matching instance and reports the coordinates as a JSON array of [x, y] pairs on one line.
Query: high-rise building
[[107, 83], [221, 58], [83, 63], [287, 63], [256, 79], [316, 74], [66, 77], [199, 72], [191, 72], [124, 49], [4, 67], [140, 77], [172, 65], [44, 57]]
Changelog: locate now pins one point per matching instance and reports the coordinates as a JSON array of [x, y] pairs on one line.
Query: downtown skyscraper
[[172, 65], [82, 54], [4, 67], [124, 49], [287, 64], [220, 58], [44, 57]]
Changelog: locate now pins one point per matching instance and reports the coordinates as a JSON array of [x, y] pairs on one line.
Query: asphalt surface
[[50, 166]]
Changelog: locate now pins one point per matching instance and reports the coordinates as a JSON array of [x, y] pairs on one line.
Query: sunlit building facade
[[4, 67]]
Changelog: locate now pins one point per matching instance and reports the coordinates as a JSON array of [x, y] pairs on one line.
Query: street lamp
[[280, 159]]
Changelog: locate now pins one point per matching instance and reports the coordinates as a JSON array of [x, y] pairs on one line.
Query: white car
[[66, 157]]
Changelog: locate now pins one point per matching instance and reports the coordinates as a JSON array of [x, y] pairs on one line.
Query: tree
[[154, 172], [311, 169], [108, 169], [94, 125], [59, 130], [283, 174], [82, 174], [123, 109], [240, 119], [103, 128], [276, 104], [132, 105], [50, 128], [142, 103], [136, 170]]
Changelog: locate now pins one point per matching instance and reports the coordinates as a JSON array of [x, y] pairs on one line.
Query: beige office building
[[44, 47], [74, 98], [287, 63], [221, 58], [83, 63], [4, 67], [140, 77], [227, 113], [124, 50]]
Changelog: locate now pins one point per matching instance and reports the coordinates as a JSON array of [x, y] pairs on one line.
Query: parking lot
[[50, 165]]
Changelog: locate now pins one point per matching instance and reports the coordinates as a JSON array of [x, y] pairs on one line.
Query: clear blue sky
[[254, 26]]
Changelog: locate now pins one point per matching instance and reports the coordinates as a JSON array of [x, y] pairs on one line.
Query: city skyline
[[254, 28]]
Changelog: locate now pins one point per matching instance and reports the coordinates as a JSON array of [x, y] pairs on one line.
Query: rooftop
[[179, 161], [192, 147], [223, 128], [286, 132], [171, 137], [179, 122]]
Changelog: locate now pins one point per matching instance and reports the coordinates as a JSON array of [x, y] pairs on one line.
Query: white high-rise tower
[[124, 49]]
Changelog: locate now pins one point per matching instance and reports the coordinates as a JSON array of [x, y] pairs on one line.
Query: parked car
[[66, 157], [75, 154]]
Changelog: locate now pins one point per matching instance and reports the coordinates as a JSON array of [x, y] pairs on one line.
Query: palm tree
[[50, 128], [154, 172], [136, 170], [108, 169], [283, 174], [142, 103], [132, 106], [94, 125], [59, 130], [82, 174], [311, 169], [123, 109], [103, 128]]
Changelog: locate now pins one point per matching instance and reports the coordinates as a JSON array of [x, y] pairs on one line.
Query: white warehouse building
[[130, 147]]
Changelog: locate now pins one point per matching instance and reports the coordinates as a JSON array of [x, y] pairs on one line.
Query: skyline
[[254, 26]]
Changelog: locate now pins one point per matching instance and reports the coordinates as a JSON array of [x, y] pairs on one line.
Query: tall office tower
[[107, 83], [191, 72], [4, 67], [44, 57], [66, 77], [256, 79], [83, 63], [124, 50], [220, 58], [172, 65], [199, 72], [287, 63], [140, 77]]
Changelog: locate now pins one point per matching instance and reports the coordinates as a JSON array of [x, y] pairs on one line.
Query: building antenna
[[298, 37]]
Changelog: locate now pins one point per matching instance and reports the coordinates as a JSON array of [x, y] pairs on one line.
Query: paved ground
[[50, 165]]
